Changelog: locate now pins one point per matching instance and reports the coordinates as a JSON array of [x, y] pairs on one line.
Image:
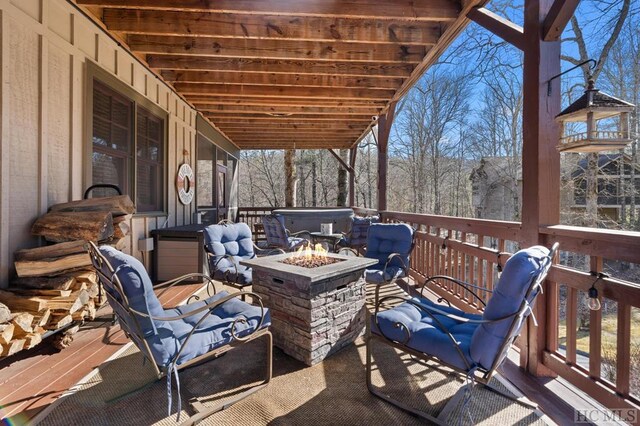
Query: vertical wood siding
[[45, 47]]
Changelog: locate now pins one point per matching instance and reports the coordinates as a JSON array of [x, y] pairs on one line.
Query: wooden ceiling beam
[[329, 127], [280, 102], [557, 19], [215, 90], [229, 114], [281, 120], [248, 79], [411, 10], [208, 24], [213, 107], [496, 24], [278, 66], [275, 49], [301, 119]]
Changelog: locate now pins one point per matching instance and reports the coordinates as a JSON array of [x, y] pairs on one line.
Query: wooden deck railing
[[468, 249], [600, 356], [252, 216]]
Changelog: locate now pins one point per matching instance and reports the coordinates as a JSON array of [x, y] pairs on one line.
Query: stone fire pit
[[315, 311]]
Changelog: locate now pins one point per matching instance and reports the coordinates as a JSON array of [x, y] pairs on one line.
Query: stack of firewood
[[105, 220], [56, 285]]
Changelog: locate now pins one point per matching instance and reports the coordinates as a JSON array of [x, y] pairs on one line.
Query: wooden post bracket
[[503, 28]]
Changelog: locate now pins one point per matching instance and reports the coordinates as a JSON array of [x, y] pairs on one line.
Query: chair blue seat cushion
[[215, 330], [427, 335], [238, 274], [377, 275]]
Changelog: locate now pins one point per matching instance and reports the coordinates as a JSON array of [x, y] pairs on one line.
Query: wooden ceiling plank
[[330, 127], [279, 102], [208, 24], [220, 120], [278, 66], [279, 91], [213, 107], [275, 49], [411, 10], [265, 79]]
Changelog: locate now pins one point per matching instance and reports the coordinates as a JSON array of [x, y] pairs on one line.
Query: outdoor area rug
[[333, 392]]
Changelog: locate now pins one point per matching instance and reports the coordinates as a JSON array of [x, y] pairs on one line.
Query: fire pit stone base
[[313, 321]]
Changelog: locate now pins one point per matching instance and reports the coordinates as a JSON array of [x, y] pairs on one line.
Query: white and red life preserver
[[185, 183]]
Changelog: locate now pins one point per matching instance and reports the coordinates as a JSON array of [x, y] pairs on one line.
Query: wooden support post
[[541, 160], [352, 175], [290, 178], [385, 121]]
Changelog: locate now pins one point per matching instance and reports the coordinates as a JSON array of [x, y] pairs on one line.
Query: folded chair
[[176, 338], [473, 346], [226, 244], [278, 236]]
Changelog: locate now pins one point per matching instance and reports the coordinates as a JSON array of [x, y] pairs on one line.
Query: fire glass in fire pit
[[311, 258]]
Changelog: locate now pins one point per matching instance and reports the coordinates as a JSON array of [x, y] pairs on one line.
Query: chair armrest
[[348, 250], [386, 265], [462, 284], [266, 252], [169, 284]]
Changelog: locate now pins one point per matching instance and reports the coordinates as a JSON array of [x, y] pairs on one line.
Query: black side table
[[332, 239]]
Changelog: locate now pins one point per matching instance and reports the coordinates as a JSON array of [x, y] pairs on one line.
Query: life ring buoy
[[185, 183]]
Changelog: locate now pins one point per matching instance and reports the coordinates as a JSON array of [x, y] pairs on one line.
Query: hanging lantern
[[590, 108]]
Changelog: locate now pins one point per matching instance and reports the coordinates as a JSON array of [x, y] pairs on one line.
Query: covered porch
[[252, 75]]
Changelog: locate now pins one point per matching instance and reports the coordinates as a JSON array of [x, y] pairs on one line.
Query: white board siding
[[46, 45]]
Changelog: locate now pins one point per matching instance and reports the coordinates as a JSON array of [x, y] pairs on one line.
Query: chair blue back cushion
[[386, 238], [518, 273], [233, 240], [360, 230], [138, 289], [275, 231]]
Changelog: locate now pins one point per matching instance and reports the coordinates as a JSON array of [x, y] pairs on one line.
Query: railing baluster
[[572, 318], [481, 282], [595, 328], [623, 353]]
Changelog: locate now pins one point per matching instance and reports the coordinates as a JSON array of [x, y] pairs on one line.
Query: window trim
[[95, 72]]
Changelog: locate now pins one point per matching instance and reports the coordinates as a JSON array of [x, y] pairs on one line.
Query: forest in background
[[468, 108]]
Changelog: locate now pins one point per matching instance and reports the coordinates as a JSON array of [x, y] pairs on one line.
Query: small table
[[332, 239]]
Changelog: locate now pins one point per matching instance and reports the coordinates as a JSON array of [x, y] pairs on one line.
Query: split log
[[89, 277], [6, 333], [79, 315], [79, 286], [71, 303], [60, 282], [91, 310], [41, 318], [52, 251], [118, 206], [31, 340], [22, 322], [121, 226], [5, 313], [70, 226], [94, 290], [12, 347], [57, 266], [39, 293], [39, 330], [17, 303], [58, 320], [118, 244]]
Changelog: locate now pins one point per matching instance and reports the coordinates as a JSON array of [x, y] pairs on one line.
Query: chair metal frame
[[99, 262], [476, 374]]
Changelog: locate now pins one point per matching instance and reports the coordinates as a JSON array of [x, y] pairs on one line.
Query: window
[[115, 140]]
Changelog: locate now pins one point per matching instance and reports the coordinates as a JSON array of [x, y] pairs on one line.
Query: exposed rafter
[[503, 28], [559, 16]]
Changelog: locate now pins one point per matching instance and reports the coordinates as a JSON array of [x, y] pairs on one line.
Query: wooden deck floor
[[33, 379]]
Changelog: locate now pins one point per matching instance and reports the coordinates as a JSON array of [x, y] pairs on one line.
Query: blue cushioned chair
[[175, 338], [471, 345], [278, 236], [226, 244], [391, 244], [356, 238]]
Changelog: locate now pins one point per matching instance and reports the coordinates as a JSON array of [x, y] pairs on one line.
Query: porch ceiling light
[[590, 108]]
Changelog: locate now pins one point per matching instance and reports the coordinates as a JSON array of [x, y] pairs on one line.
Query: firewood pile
[[56, 285]]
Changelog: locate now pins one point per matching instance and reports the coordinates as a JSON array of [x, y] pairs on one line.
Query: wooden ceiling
[[287, 73]]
